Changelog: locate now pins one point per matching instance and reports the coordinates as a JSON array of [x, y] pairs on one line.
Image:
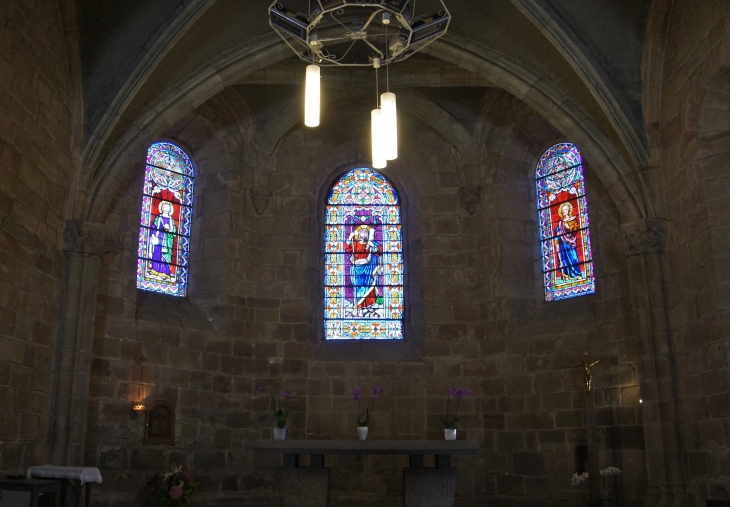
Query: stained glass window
[[363, 278], [167, 215], [567, 263]]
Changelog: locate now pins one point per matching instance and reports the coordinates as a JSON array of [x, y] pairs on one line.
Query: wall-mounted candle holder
[[139, 405]]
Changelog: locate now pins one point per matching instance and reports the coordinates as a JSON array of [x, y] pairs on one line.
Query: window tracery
[[363, 278], [166, 220], [567, 262]]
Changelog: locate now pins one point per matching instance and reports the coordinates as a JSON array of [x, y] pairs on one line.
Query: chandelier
[[354, 32], [358, 33]]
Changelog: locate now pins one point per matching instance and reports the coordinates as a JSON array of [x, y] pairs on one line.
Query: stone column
[[84, 244], [643, 242]]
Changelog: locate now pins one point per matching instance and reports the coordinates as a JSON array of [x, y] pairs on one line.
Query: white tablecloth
[[83, 474]]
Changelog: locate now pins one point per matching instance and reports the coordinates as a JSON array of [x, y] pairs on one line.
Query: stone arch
[[607, 94], [72, 32], [225, 70], [554, 106], [164, 112], [138, 74]]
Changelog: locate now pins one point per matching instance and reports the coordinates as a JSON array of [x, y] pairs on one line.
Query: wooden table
[[422, 487]]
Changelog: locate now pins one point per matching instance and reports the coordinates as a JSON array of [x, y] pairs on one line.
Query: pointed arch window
[[363, 278], [167, 215], [567, 262]]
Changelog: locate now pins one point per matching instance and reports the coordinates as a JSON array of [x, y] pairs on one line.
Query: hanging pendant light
[[390, 125], [311, 97], [377, 131]]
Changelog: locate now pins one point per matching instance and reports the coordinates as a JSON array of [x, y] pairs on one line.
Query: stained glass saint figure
[[363, 268], [162, 238], [363, 259], [563, 219], [167, 212]]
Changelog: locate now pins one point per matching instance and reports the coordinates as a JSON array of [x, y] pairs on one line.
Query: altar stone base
[[303, 487], [429, 487]]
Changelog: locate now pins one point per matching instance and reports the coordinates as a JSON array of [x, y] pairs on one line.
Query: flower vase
[[362, 432], [450, 434], [280, 433]]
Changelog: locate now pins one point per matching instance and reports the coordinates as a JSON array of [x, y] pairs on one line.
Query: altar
[[422, 487]]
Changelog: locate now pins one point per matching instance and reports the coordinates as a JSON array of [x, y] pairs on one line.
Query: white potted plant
[[451, 422]]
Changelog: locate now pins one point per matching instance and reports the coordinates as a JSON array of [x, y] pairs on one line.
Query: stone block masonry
[[35, 161]]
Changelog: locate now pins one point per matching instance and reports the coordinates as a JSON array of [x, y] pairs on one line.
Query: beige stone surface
[[641, 87]]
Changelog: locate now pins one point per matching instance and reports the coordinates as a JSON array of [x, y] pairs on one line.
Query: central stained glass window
[[563, 217], [363, 278]]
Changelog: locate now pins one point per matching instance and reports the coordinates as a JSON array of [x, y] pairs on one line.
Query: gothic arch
[[226, 69], [554, 106], [609, 96]]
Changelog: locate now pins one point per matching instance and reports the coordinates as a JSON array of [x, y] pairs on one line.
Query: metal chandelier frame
[[388, 29]]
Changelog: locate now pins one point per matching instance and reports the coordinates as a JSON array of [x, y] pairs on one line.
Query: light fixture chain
[[139, 385], [377, 95], [387, 67]]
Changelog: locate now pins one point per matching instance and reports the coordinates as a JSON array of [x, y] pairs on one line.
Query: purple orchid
[[458, 393], [363, 418], [281, 415]]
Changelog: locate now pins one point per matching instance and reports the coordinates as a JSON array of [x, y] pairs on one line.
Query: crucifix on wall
[[588, 370]]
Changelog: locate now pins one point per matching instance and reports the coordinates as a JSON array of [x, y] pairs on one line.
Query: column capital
[[260, 198], [470, 196], [646, 235], [87, 237]]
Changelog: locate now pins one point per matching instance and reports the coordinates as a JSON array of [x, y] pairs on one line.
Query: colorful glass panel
[[363, 278], [567, 262], [167, 215]]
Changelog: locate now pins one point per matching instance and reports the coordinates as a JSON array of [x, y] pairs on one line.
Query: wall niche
[[159, 428]]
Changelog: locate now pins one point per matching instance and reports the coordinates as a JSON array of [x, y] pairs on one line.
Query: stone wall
[[252, 319], [695, 126], [35, 138]]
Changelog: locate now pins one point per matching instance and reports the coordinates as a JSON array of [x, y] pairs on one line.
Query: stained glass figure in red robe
[[162, 237], [365, 254]]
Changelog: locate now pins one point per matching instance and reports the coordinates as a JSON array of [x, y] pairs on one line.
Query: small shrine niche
[[159, 428]]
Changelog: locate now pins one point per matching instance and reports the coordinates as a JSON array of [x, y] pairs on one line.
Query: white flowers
[[578, 479], [610, 471]]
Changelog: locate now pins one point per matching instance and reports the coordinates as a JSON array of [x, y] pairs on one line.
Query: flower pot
[[362, 432], [450, 434], [280, 433]]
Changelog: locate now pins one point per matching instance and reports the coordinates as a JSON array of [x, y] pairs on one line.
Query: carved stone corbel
[[646, 235], [260, 200], [470, 196], [87, 237]]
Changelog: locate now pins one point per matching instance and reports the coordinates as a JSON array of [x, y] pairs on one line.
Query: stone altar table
[[80, 478], [422, 487]]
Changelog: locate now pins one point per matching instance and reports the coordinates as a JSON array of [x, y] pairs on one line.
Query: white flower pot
[[450, 434], [362, 432], [279, 433]]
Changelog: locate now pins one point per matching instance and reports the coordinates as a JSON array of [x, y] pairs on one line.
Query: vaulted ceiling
[[136, 52]]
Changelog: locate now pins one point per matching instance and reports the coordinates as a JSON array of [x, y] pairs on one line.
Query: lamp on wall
[[139, 405]]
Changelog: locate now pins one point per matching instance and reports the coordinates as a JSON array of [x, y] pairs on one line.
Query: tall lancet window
[[363, 278], [567, 263], [167, 215]]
